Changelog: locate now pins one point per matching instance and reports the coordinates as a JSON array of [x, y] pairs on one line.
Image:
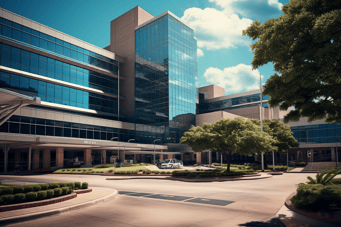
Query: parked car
[[172, 164]]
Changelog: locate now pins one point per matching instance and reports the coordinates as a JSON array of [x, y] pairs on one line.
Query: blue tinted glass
[[66, 52], [51, 47], [44, 36], [35, 41], [16, 34], [7, 31], [43, 44], [59, 49], [7, 22]]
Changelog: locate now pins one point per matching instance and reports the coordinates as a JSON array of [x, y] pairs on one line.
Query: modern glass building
[[165, 71]]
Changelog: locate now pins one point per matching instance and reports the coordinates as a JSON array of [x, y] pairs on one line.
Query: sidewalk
[[97, 195]]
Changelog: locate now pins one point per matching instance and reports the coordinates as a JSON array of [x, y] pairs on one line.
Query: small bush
[[7, 190], [50, 193], [169, 172], [71, 184], [58, 192], [7, 198], [65, 190], [18, 189], [302, 164], [85, 185], [31, 196], [44, 186], [53, 185], [85, 170], [79, 170], [68, 170], [105, 166], [70, 189], [196, 164], [155, 171], [62, 184], [63, 170], [20, 197], [110, 171], [78, 184], [89, 169], [36, 187], [41, 195]]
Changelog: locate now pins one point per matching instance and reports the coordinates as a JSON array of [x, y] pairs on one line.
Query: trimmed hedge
[[65, 190], [53, 185], [31, 196], [50, 193], [41, 195], [18, 189], [85, 185], [20, 197], [315, 197], [78, 184], [105, 166], [58, 192], [44, 186]]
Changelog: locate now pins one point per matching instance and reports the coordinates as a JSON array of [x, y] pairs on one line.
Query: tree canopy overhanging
[[304, 44]]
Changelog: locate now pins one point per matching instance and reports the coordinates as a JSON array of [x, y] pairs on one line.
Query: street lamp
[[118, 149], [261, 115], [154, 148], [125, 148]]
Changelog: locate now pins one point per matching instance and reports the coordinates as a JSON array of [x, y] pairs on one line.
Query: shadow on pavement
[[274, 222]]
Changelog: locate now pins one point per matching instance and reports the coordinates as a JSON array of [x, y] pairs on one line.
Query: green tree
[[281, 133], [304, 44], [228, 137]]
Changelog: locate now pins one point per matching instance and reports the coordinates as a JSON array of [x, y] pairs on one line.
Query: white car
[[172, 164]]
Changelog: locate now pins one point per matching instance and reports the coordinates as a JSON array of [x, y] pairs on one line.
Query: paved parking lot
[[145, 202]]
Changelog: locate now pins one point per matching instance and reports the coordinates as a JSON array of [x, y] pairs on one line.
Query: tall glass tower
[[165, 72]]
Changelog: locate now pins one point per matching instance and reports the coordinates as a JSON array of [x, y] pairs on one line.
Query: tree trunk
[[229, 160]]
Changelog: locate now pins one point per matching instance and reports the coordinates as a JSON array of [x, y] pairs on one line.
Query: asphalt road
[[175, 203]]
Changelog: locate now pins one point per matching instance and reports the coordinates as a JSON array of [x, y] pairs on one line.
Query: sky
[[224, 55]]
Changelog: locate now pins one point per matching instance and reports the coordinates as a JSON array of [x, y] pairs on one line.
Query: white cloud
[[215, 29], [200, 53], [275, 3], [234, 79]]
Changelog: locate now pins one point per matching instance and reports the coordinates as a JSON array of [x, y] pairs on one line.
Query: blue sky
[[224, 55]]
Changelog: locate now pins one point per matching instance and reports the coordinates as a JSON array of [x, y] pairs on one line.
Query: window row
[[58, 94], [30, 62], [45, 42]]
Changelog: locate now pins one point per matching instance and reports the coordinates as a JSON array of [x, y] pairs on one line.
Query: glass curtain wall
[[165, 71]]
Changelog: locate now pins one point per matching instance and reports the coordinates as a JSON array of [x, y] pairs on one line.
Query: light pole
[[154, 148], [261, 115], [118, 149], [125, 148]]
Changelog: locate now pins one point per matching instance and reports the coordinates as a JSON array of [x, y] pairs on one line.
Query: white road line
[[189, 199]]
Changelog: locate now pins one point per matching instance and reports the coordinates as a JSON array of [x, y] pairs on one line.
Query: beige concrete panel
[[47, 31], [143, 16], [75, 118], [212, 91], [25, 112], [127, 30], [59, 35], [83, 120], [66, 38], [26, 22], [208, 118], [35, 26], [7, 15], [229, 115], [16, 19], [125, 19], [33, 112], [67, 117], [75, 42], [59, 116], [97, 121], [90, 120], [50, 115], [40, 114]]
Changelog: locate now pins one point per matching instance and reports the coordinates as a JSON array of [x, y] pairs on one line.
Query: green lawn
[[99, 170]]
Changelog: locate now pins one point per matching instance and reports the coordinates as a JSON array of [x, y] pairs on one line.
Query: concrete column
[[122, 156], [87, 156], [135, 161], [35, 162], [6, 150], [103, 156], [46, 158], [217, 156], [170, 156], [161, 157], [332, 151], [17, 157], [210, 158], [29, 157], [198, 157], [59, 157]]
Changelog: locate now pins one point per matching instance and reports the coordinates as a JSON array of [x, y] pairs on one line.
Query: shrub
[[78, 184], [18, 189], [126, 165], [7, 198], [79, 170], [89, 169], [44, 186], [169, 172], [70, 190], [36, 187], [63, 170], [195, 164], [42, 195], [302, 164], [50, 193], [31, 196], [155, 171], [323, 177], [1, 201], [105, 166], [20, 197], [85, 170], [110, 171], [65, 190], [68, 170], [336, 181], [62, 184], [216, 164], [142, 164], [57, 192], [1, 191], [7, 190], [53, 185], [85, 185], [71, 184]]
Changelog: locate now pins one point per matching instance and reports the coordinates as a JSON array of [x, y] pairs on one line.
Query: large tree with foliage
[[304, 44], [228, 137]]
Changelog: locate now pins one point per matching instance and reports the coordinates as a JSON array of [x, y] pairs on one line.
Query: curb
[[33, 216], [333, 217]]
